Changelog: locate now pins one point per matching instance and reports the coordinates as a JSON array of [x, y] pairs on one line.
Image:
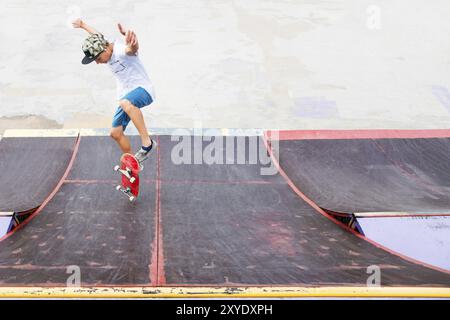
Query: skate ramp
[[31, 167], [194, 226], [353, 172]]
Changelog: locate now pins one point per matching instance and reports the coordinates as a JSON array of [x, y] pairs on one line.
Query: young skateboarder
[[134, 88]]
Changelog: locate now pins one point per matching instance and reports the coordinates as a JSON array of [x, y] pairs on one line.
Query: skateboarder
[[134, 88]]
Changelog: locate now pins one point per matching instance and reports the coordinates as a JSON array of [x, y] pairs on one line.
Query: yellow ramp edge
[[223, 292]]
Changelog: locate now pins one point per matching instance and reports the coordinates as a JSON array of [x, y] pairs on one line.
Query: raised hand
[[77, 23], [130, 39]]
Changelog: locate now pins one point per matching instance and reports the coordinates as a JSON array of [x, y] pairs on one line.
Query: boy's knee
[[116, 133], [126, 105]]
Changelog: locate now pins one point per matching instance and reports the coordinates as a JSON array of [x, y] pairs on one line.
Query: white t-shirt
[[129, 71]]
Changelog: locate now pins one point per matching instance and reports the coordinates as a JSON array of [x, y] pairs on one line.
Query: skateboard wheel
[[132, 198], [133, 179], [118, 188], [116, 168]]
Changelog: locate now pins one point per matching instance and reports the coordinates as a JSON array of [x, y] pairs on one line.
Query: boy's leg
[[137, 118], [123, 141]]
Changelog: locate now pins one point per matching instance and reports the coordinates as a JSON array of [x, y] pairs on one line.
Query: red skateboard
[[129, 169]]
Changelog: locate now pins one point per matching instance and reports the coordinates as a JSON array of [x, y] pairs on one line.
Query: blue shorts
[[138, 97]]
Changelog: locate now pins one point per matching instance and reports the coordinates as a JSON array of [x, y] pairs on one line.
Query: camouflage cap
[[93, 46]]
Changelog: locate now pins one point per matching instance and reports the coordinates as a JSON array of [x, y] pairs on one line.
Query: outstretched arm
[[78, 23], [130, 40]]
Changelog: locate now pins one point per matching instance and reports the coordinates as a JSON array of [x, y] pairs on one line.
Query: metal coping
[[400, 214], [22, 133], [281, 134], [184, 131], [6, 214], [38, 133]]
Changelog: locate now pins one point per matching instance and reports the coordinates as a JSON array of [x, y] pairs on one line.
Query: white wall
[[252, 64]]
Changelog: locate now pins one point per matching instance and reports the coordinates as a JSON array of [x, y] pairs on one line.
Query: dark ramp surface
[[30, 168], [205, 224], [239, 227], [87, 224], [371, 175]]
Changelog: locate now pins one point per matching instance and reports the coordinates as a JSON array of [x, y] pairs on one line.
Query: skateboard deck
[[129, 170]]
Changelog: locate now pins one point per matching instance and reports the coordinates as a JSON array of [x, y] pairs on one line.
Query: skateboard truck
[[127, 173], [127, 192]]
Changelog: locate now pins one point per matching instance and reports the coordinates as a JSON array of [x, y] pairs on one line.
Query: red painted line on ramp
[[80, 181], [217, 182], [244, 182], [157, 276], [50, 197], [322, 212], [356, 134]]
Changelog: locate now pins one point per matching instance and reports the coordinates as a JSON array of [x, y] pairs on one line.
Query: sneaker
[[142, 154]]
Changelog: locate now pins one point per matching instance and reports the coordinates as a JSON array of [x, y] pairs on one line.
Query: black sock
[[147, 149]]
